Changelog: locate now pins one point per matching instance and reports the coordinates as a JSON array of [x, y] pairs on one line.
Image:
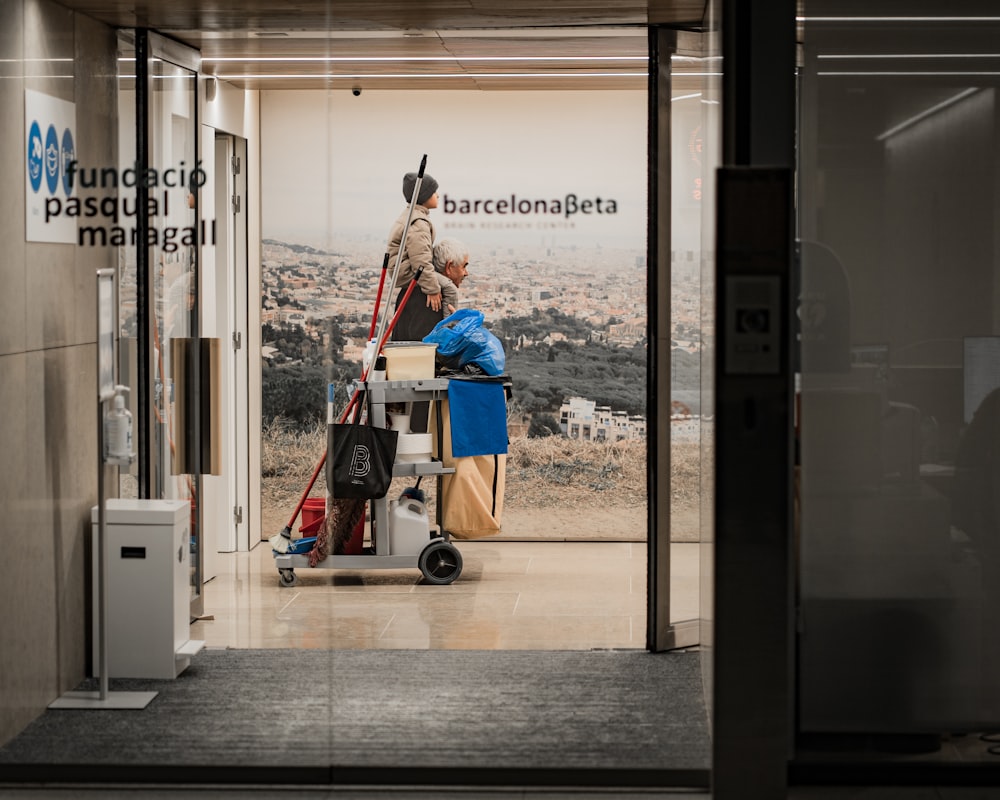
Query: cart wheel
[[440, 562], [287, 577]]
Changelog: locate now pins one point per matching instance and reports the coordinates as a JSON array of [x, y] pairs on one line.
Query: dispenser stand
[[103, 698]]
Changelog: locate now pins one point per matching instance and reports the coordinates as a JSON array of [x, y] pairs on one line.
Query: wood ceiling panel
[[359, 15], [461, 33]]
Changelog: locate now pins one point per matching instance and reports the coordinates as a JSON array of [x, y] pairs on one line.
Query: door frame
[[661, 633], [229, 500]]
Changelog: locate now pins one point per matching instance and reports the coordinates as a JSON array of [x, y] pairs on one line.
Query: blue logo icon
[[68, 154], [52, 159], [35, 157]]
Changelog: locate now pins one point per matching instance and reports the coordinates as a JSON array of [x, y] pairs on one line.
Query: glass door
[[172, 208], [683, 126], [159, 273], [900, 373]]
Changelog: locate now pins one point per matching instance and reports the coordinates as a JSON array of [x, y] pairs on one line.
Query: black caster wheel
[[440, 563], [287, 577]]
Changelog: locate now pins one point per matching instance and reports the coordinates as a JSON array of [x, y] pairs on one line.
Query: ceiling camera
[[356, 91]]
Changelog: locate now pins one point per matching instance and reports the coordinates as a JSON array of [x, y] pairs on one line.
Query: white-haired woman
[[451, 266]]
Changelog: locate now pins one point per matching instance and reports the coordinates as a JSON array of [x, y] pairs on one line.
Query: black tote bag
[[361, 458]]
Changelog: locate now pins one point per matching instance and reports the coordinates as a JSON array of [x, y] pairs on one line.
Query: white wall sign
[[512, 167], [50, 145]]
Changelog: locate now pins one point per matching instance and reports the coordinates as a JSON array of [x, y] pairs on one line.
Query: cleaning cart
[[402, 535]]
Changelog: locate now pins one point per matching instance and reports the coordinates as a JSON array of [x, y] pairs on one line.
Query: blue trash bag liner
[[461, 339]]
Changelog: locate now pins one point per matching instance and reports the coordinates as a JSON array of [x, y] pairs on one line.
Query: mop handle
[[406, 231], [395, 317], [392, 324], [378, 297], [305, 494]]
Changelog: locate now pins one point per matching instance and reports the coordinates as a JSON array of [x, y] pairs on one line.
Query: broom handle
[[406, 231], [395, 317], [378, 297], [354, 398]]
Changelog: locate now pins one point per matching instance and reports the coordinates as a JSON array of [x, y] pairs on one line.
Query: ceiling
[[417, 44]]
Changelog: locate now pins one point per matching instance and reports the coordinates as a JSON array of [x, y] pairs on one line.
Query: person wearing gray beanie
[[428, 187], [413, 244]]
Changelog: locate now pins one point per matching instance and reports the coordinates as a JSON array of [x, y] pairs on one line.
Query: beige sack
[[472, 496]]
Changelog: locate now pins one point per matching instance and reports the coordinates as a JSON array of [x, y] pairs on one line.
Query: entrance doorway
[[665, 633], [227, 502]]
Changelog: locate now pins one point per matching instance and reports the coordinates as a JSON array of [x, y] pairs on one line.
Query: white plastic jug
[[409, 530]]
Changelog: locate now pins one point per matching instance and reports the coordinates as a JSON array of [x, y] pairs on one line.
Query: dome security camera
[[356, 91]]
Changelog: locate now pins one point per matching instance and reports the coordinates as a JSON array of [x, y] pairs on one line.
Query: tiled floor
[[510, 595]]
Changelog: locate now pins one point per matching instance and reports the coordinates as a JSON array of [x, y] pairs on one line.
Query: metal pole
[[402, 242], [102, 557], [102, 539], [145, 287]]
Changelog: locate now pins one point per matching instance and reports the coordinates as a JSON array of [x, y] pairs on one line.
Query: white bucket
[[413, 447], [400, 422]]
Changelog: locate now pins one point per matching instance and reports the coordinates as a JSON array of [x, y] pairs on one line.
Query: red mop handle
[[354, 397], [322, 461], [305, 494], [378, 297], [388, 331], [395, 317]]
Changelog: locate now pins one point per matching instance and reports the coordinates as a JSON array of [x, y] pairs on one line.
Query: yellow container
[[408, 361]]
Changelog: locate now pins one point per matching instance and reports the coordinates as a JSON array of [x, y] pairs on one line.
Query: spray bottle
[[118, 430]]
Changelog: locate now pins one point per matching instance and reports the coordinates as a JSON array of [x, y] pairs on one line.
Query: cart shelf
[[439, 560]]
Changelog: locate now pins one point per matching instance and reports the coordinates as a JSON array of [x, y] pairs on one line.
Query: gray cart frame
[[439, 561]]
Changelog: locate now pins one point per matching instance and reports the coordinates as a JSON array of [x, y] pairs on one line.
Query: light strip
[[411, 75], [921, 74], [924, 114], [685, 97], [863, 56], [391, 59], [897, 19]]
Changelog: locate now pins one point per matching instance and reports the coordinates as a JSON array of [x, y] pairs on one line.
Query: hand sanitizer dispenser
[[118, 431]]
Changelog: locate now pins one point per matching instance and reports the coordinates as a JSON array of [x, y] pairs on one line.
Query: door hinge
[[237, 340], [236, 204], [238, 515], [236, 165]]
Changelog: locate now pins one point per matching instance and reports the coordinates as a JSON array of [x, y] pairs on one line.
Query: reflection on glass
[[127, 251], [898, 491], [173, 266]]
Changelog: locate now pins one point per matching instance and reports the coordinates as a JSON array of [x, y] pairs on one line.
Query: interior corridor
[[511, 595]]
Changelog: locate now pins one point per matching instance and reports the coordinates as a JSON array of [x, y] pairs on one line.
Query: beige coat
[[418, 252]]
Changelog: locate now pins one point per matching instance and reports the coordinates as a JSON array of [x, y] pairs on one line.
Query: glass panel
[[899, 411], [127, 251], [694, 142], [687, 176], [565, 293], [174, 281]]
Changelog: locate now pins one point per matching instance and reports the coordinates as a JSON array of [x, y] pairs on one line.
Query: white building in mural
[[584, 419]]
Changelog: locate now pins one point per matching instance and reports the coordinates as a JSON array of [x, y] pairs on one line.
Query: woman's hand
[[434, 301]]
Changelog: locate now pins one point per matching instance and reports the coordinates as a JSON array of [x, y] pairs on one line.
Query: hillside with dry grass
[[553, 476]]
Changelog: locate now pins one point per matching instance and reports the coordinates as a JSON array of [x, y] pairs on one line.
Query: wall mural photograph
[[548, 196]]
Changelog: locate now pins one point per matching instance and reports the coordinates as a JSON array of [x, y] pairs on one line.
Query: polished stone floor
[[510, 596]]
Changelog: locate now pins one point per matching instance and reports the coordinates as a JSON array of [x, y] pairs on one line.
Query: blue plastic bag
[[301, 546], [461, 339]]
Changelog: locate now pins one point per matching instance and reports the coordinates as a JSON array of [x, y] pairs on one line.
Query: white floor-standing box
[[149, 588]]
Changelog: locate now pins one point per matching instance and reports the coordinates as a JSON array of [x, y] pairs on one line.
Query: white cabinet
[[149, 588]]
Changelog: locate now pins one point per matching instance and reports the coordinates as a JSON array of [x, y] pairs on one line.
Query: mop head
[[280, 542]]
